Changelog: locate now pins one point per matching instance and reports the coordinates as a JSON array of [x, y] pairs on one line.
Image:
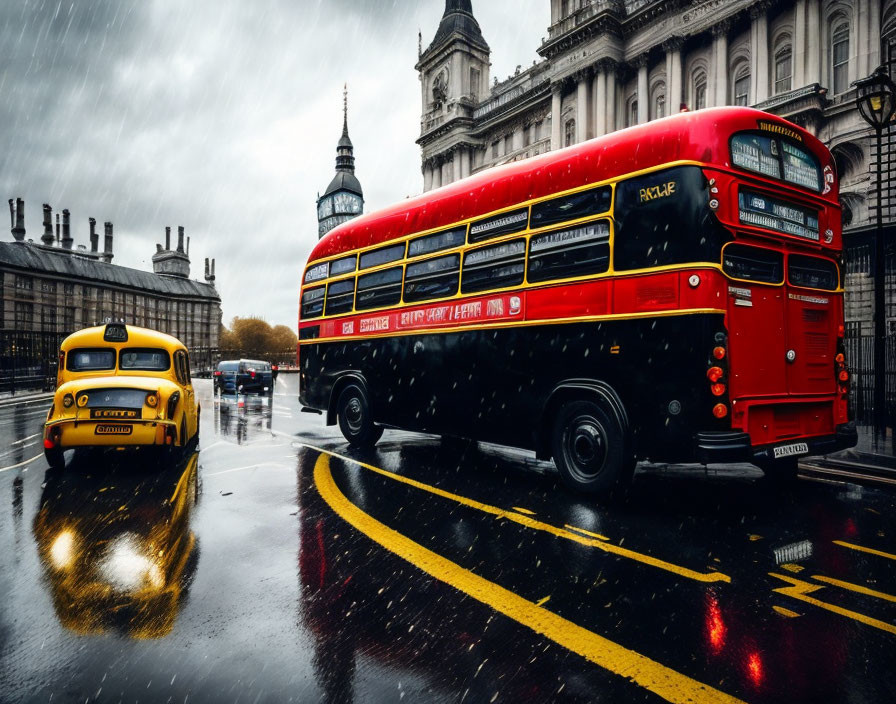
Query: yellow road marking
[[587, 532], [754, 538], [786, 612], [855, 587], [524, 510], [538, 525], [872, 551], [791, 567], [801, 590], [649, 674], [541, 602]]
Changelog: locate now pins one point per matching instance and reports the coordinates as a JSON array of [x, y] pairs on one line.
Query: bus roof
[[701, 135]]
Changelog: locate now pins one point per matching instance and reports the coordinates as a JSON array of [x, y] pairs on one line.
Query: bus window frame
[[837, 289]]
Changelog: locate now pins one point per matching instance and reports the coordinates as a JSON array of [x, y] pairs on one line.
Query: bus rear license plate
[[113, 430], [799, 448]]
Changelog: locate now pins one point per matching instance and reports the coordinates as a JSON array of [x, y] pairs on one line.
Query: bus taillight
[[720, 410], [714, 374]]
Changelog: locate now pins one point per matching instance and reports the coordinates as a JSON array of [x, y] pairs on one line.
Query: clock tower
[[343, 199]]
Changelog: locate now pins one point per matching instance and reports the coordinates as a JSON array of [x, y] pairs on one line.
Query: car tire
[[55, 457], [590, 450], [355, 419]]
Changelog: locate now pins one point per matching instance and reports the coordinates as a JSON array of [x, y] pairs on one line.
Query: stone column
[[464, 162], [437, 173], [448, 169], [759, 70], [799, 44], [583, 106], [599, 90], [814, 42], [674, 96], [643, 92], [427, 177], [611, 97], [720, 62], [556, 129], [874, 58]]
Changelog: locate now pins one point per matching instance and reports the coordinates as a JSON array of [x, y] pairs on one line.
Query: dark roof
[[22, 255], [458, 18], [344, 181]]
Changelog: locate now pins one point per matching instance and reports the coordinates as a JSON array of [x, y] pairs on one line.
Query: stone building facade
[[53, 288], [609, 64]]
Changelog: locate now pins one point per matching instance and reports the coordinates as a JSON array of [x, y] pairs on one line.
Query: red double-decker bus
[[670, 292]]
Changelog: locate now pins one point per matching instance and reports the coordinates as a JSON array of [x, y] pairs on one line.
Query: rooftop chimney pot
[[67, 240], [94, 237], [47, 237], [18, 229], [167, 238], [180, 239]]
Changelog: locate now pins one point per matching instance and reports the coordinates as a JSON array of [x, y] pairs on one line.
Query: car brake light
[[217, 373], [49, 444]]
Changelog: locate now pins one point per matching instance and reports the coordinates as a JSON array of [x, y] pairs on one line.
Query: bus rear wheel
[[589, 449], [355, 420]]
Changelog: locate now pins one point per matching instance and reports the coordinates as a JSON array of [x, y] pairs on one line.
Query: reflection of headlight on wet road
[[127, 567], [62, 551]]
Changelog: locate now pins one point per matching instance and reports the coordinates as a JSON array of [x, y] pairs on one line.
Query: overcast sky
[[221, 116]]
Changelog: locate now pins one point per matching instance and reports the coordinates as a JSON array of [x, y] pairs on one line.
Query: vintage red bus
[[669, 292]]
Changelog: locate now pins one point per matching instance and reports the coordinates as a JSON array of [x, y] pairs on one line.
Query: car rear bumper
[[735, 446], [67, 434]]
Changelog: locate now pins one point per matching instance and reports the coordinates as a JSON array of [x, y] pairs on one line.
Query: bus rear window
[[567, 253], [313, 302], [90, 360], [753, 264], [812, 272], [494, 267], [777, 158], [382, 288], [144, 360]]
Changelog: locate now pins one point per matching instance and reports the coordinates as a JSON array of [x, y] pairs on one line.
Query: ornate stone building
[[53, 288], [608, 64], [343, 199]]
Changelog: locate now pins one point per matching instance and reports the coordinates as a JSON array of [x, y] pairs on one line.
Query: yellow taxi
[[121, 386]]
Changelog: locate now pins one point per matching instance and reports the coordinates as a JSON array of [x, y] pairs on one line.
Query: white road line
[[20, 464], [248, 466], [19, 442]]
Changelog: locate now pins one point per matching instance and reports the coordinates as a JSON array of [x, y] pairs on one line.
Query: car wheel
[[55, 457], [589, 449], [355, 420]]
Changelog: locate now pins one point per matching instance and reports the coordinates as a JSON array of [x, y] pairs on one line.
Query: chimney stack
[[188, 246], [107, 249], [210, 271], [18, 229], [180, 239], [67, 240], [47, 237], [57, 229], [94, 238], [167, 238]]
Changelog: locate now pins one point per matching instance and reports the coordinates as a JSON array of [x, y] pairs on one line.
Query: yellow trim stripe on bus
[[517, 323]]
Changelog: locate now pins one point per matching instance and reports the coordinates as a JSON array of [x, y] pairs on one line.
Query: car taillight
[[217, 373]]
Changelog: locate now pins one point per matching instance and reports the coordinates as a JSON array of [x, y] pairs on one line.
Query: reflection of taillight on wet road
[[754, 668], [715, 626]]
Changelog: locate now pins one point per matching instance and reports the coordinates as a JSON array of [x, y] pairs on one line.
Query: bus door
[[757, 313], [812, 322]]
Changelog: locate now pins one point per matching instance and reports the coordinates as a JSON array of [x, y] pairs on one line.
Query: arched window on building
[[632, 113], [699, 89], [783, 68], [839, 54], [570, 137], [741, 84], [658, 100]]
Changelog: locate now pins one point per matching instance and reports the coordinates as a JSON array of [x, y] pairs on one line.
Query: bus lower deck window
[[753, 264], [812, 272]]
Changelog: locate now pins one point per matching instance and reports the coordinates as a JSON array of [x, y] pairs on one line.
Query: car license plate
[[113, 430], [797, 448]]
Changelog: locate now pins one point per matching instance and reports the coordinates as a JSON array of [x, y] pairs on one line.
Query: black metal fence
[[860, 358], [28, 361]]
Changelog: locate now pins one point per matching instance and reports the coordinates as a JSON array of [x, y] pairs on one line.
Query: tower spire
[[345, 151], [345, 109]]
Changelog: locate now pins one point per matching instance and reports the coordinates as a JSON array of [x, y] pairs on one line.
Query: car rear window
[[116, 398], [228, 366], [90, 360], [144, 360]]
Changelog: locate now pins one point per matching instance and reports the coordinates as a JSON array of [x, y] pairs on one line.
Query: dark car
[[244, 375]]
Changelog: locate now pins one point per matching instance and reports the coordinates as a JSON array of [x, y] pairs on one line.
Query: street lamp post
[[876, 101]]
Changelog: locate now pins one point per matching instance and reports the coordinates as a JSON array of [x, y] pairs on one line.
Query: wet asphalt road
[[278, 565]]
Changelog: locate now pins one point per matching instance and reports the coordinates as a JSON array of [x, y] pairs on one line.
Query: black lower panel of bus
[[494, 384]]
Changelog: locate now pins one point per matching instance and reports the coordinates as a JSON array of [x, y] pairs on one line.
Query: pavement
[[278, 565]]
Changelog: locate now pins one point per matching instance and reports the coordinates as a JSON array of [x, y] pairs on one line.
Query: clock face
[[324, 208], [346, 203]]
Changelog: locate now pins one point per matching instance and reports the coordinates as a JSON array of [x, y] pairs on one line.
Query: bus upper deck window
[[383, 255], [572, 207], [432, 278], [776, 158], [494, 267], [753, 264], [379, 289], [313, 302], [343, 265], [567, 253], [438, 241], [812, 272]]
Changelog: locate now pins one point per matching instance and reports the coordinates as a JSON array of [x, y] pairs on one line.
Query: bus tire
[[55, 457], [355, 419], [590, 449]]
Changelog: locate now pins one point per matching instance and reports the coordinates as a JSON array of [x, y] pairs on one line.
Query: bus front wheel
[[355, 420], [589, 449]]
